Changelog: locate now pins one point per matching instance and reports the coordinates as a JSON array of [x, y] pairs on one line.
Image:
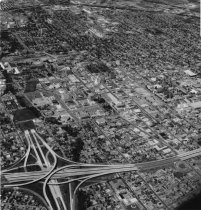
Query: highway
[[36, 145], [84, 170], [55, 190], [50, 174], [117, 169]]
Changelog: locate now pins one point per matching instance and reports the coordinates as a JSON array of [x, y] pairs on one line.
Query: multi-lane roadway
[[86, 170], [50, 174]]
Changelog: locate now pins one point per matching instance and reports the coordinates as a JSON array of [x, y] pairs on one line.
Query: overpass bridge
[[85, 170], [51, 176]]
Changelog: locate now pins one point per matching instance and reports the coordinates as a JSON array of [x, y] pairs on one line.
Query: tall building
[[2, 86]]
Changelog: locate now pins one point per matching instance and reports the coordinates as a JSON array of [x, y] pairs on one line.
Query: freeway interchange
[[123, 83], [51, 175]]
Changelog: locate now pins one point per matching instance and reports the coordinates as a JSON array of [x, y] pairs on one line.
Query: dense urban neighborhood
[[100, 104]]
